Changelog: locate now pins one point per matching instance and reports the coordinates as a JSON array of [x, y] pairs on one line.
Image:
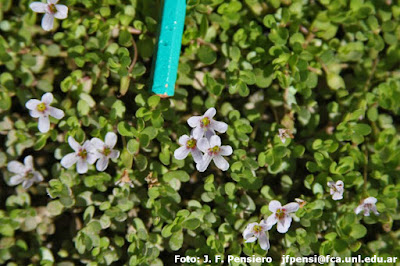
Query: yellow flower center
[[106, 151], [257, 229], [28, 175], [52, 8], [280, 213], [214, 150], [205, 122], [82, 154], [191, 143], [41, 107]]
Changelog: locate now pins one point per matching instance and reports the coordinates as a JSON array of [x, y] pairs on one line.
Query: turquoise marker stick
[[169, 47]]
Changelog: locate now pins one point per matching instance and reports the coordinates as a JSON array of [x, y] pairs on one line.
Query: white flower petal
[[210, 113], [209, 133], [114, 154], [271, 220], [47, 98], [27, 183], [337, 196], [215, 141], [248, 232], [331, 184], [358, 209], [291, 207], [274, 206], [68, 160], [221, 163], [16, 167], [198, 133], [181, 153], [370, 200], [81, 166], [28, 161], [88, 146], [251, 239], [48, 22], [194, 121], [38, 7], [265, 225], [197, 155], [35, 113], [340, 183], [44, 124], [16, 179], [202, 166], [91, 158], [284, 224], [97, 143], [32, 104], [225, 150], [37, 176], [62, 12], [203, 145], [111, 139], [263, 241], [373, 208], [102, 164], [52, 2], [183, 139], [74, 144], [55, 112], [221, 127]]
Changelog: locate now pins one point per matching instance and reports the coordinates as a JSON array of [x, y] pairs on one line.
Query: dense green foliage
[[326, 70]]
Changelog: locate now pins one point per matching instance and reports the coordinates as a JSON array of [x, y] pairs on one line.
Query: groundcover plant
[[282, 137]]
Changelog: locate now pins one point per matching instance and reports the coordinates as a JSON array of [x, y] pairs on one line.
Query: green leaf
[[191, 224], [176, 241], [358, 231], [207, 55], [335, 81], [180, 175]]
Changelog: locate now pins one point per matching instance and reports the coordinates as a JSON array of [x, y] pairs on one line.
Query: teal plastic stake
[[165, 66]]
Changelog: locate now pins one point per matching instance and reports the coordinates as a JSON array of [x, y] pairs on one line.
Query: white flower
[[82, 156], [206, 125], [189, 145], [258, 231], [337, 189], [104, 150], [366, 206], [213, 151], [42, 109], [25, 173], [51, 10], [284, 134], [281, 215]]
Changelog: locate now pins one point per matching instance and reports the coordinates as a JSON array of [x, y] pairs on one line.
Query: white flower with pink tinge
[[284, 134], [336, 190], [281, 215], [258, 231], [51, 10], [25, 173], [213, 151], [189, 145], [42, 110], [82, 155], [366, 206], [105, 150], [206, 125]]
